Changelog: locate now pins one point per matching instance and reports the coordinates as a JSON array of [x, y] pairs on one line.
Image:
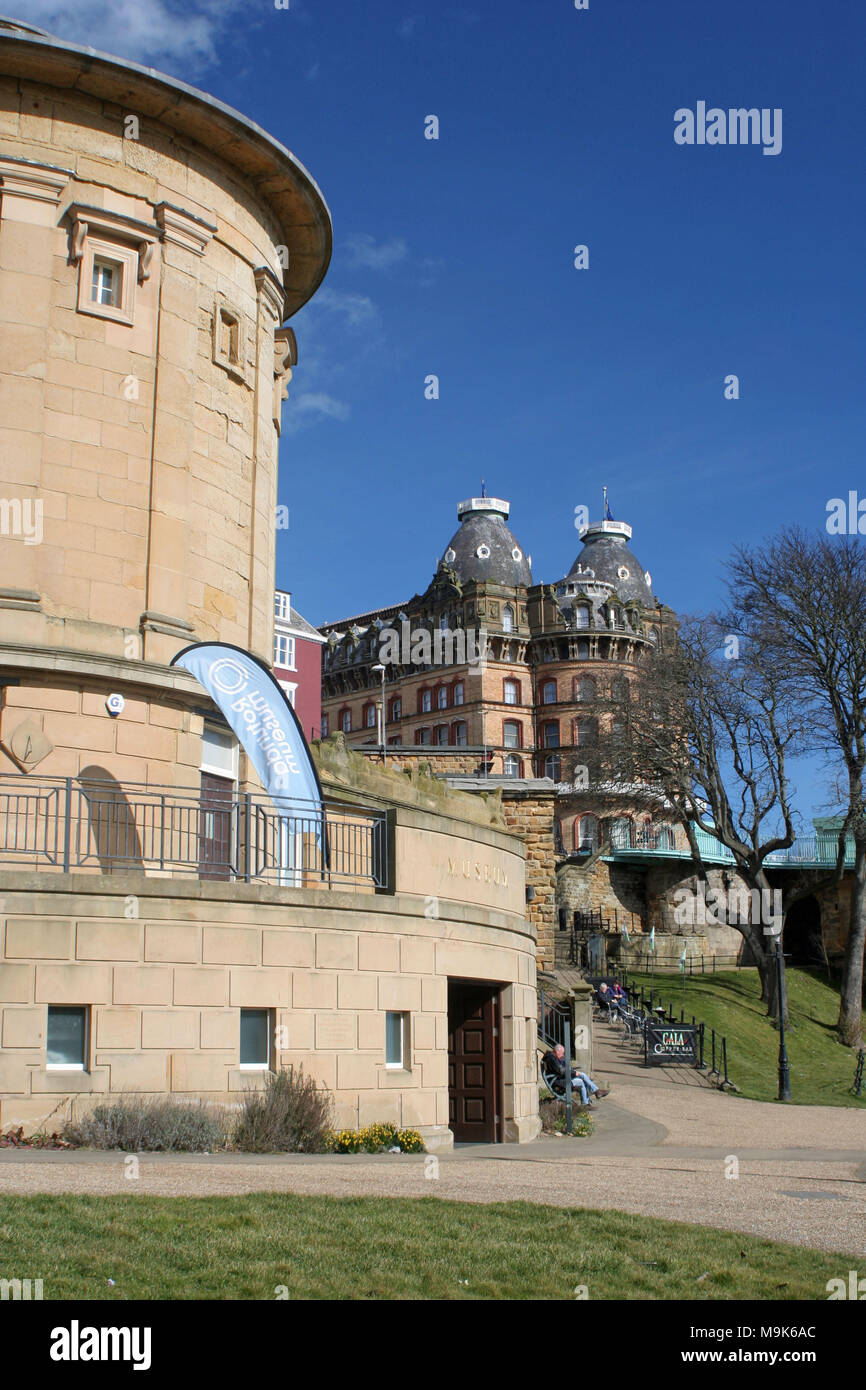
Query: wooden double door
[[475, 1107]]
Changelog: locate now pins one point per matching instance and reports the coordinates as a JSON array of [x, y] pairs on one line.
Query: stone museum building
[[157, 933]]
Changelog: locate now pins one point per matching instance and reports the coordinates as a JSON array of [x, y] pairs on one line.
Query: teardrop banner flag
[[255, 707]]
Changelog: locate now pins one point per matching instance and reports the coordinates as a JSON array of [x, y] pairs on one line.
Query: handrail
[[819, 849], [70, 823]]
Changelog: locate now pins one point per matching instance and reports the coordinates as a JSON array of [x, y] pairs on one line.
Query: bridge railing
[[819, 850]]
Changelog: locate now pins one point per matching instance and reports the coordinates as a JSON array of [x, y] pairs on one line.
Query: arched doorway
[[801, 939]]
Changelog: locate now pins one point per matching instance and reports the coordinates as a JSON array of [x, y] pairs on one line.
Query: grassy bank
[[821, 1071], [385, 1248]]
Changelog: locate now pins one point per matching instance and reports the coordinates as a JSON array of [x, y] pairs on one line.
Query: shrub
[[289, 1116], [345, 1141], [139, 1124], [410, 1141], [552, 1113], [376, 1139]]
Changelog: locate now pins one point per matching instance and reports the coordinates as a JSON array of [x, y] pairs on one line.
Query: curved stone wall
[[151, 244], [164, 967]]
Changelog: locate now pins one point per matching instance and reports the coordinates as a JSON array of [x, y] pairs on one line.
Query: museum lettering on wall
[[482, 873]]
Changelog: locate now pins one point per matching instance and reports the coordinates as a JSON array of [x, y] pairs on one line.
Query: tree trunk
[[763, 953], [770, 945], [850, 1023]]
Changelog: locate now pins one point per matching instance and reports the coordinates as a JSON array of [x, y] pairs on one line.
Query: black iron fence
[[555, 1027], [691, 1041], [69, 824], [695, 964]]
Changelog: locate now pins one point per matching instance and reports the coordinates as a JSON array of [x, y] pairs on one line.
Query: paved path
[[662, 1147]]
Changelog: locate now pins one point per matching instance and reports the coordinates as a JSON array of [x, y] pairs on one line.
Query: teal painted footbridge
[[807, 852]]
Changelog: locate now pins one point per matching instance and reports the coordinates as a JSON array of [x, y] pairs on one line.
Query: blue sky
[[455, 257]]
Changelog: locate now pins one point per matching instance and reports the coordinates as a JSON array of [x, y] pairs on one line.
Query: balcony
[[69, 826], [807, 851]]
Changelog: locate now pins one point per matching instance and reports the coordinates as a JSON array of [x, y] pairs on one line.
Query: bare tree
[[706, 744], [802, 599]]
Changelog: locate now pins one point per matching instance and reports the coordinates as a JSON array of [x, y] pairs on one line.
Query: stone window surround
[[225, 313], [97, 234]]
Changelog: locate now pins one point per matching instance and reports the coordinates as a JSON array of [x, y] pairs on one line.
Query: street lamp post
[[784, 1069], [379, 670]]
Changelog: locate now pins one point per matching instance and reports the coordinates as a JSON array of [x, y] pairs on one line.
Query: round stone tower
[[152, 244]]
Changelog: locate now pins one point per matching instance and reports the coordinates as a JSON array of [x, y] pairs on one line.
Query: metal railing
[[554, 1027], [807, 850], [69, 824], [643, 1011], [698, 964]]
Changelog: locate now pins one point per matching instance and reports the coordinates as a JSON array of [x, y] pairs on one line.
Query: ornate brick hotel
[[521, 716], [559, 667]]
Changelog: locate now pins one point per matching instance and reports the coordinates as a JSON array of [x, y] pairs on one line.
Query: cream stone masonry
[[146, 272], [156, 471], [175, 1026]]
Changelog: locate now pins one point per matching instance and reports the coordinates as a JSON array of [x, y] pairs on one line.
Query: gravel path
[[661, 1148], [806, 1203]]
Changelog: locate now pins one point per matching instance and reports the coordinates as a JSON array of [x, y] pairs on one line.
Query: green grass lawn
[[385, 1248], [822, 1072]]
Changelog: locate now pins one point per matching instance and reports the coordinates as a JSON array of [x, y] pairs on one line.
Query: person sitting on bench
[[582, 1082], [603, 997], [617, 996]]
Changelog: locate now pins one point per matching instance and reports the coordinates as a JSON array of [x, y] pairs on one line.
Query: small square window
[[67, 1038], [396, 1040], [256, 1039], [107, 283], [107, 280]]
